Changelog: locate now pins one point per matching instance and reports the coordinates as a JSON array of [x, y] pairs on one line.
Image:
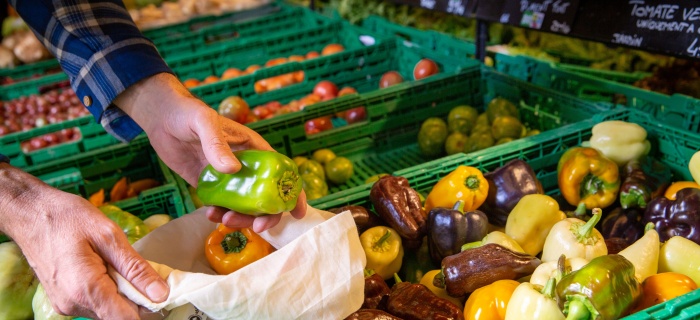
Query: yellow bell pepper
[[496, 237], [662, 287], [490, 302], [620, 141], [229, 249], [586, 176], [534, 302], [383, 250], [575, 238], [531, 219], [675, 256], [549, 270], [694, 166], [427, 281], [464, 183], [644, 253], [678, 186]]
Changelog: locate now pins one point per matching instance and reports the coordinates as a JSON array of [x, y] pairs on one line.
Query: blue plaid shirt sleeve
[[100, 48]]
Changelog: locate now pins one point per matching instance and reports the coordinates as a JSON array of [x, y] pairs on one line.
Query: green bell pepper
[[268, 183], [605, 288]]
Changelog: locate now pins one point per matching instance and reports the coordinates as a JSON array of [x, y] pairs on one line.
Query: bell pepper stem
[[382, 240], [396, 278], [548, 290], [459, 206], [439, 280], [472, 182], [577, 311], [471, 245], [287, 184], [561, 268], [584, 232], [368, 272], [234, 242], [649, 226], [580, 210]]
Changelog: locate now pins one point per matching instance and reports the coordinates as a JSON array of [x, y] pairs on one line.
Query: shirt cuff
[[111, 71]]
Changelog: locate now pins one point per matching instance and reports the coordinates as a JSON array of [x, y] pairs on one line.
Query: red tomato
[[326, 89], [318, 125], [275, 61], [235, 109], [346, 91], [296, 58], [424, 69], [262, 112], [210, 79], [355, 115], [190, 83], [252, 69], [389, 79], [331, 49], [273, 106]]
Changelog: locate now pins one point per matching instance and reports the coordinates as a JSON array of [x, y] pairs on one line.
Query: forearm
[[19, 193]]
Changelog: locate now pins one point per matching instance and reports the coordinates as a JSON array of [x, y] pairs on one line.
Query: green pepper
[[605, 288], [268, 183], [314, 186], [432, 136], [133, 227]]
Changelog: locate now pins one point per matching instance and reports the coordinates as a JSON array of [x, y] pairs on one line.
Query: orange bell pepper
[[662, 287], [678, 186], [464, 183], [229, 249], [490, 302]]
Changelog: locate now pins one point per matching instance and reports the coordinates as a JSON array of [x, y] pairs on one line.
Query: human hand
[[69, 243], [188, 135]]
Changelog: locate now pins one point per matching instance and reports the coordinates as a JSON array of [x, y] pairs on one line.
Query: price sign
[[464, 8], [546, 15], [671, 26]]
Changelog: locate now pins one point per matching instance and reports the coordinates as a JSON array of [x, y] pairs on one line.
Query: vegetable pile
[[324, 168], [467, 131], [493, 244]]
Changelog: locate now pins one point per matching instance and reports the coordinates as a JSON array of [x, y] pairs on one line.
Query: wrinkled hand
[[188, 135], [69, 243]]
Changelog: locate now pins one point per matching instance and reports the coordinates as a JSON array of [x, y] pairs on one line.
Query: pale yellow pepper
[[531, 219], [383, 250]]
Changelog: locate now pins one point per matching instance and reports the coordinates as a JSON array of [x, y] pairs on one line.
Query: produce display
[[467, 131], [682, 76], [123, 189], [34, 111], [322, 169], [557, 243], [273, 83]]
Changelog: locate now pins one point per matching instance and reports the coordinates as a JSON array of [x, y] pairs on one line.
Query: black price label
[[671, 27], [546, 15]]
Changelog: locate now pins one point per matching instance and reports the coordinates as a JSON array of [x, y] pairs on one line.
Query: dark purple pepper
[[680, 217], [376, 291], [623, 223], [644, 180], [449, 229], [507, 185]]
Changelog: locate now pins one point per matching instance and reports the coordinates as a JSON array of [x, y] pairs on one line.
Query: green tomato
[[478, 141], [375, 177], [506, 127], [314, 186], [455, 143], [312, 167], [462, 119], [339, 170], [499, 107], [323, 156], [431, 137]]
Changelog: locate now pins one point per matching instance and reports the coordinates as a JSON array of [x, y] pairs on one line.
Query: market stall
[[460, 159]]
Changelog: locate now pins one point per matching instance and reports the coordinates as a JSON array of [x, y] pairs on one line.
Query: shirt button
[[87, 101]]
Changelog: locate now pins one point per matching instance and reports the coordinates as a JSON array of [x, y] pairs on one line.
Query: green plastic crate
[[679, 110], [86, 173], [240, 31], [29, 70], [30, 87], [616, 76], [386, 141], [454, 47], [410, 36], [671, 145], [215, 59]]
